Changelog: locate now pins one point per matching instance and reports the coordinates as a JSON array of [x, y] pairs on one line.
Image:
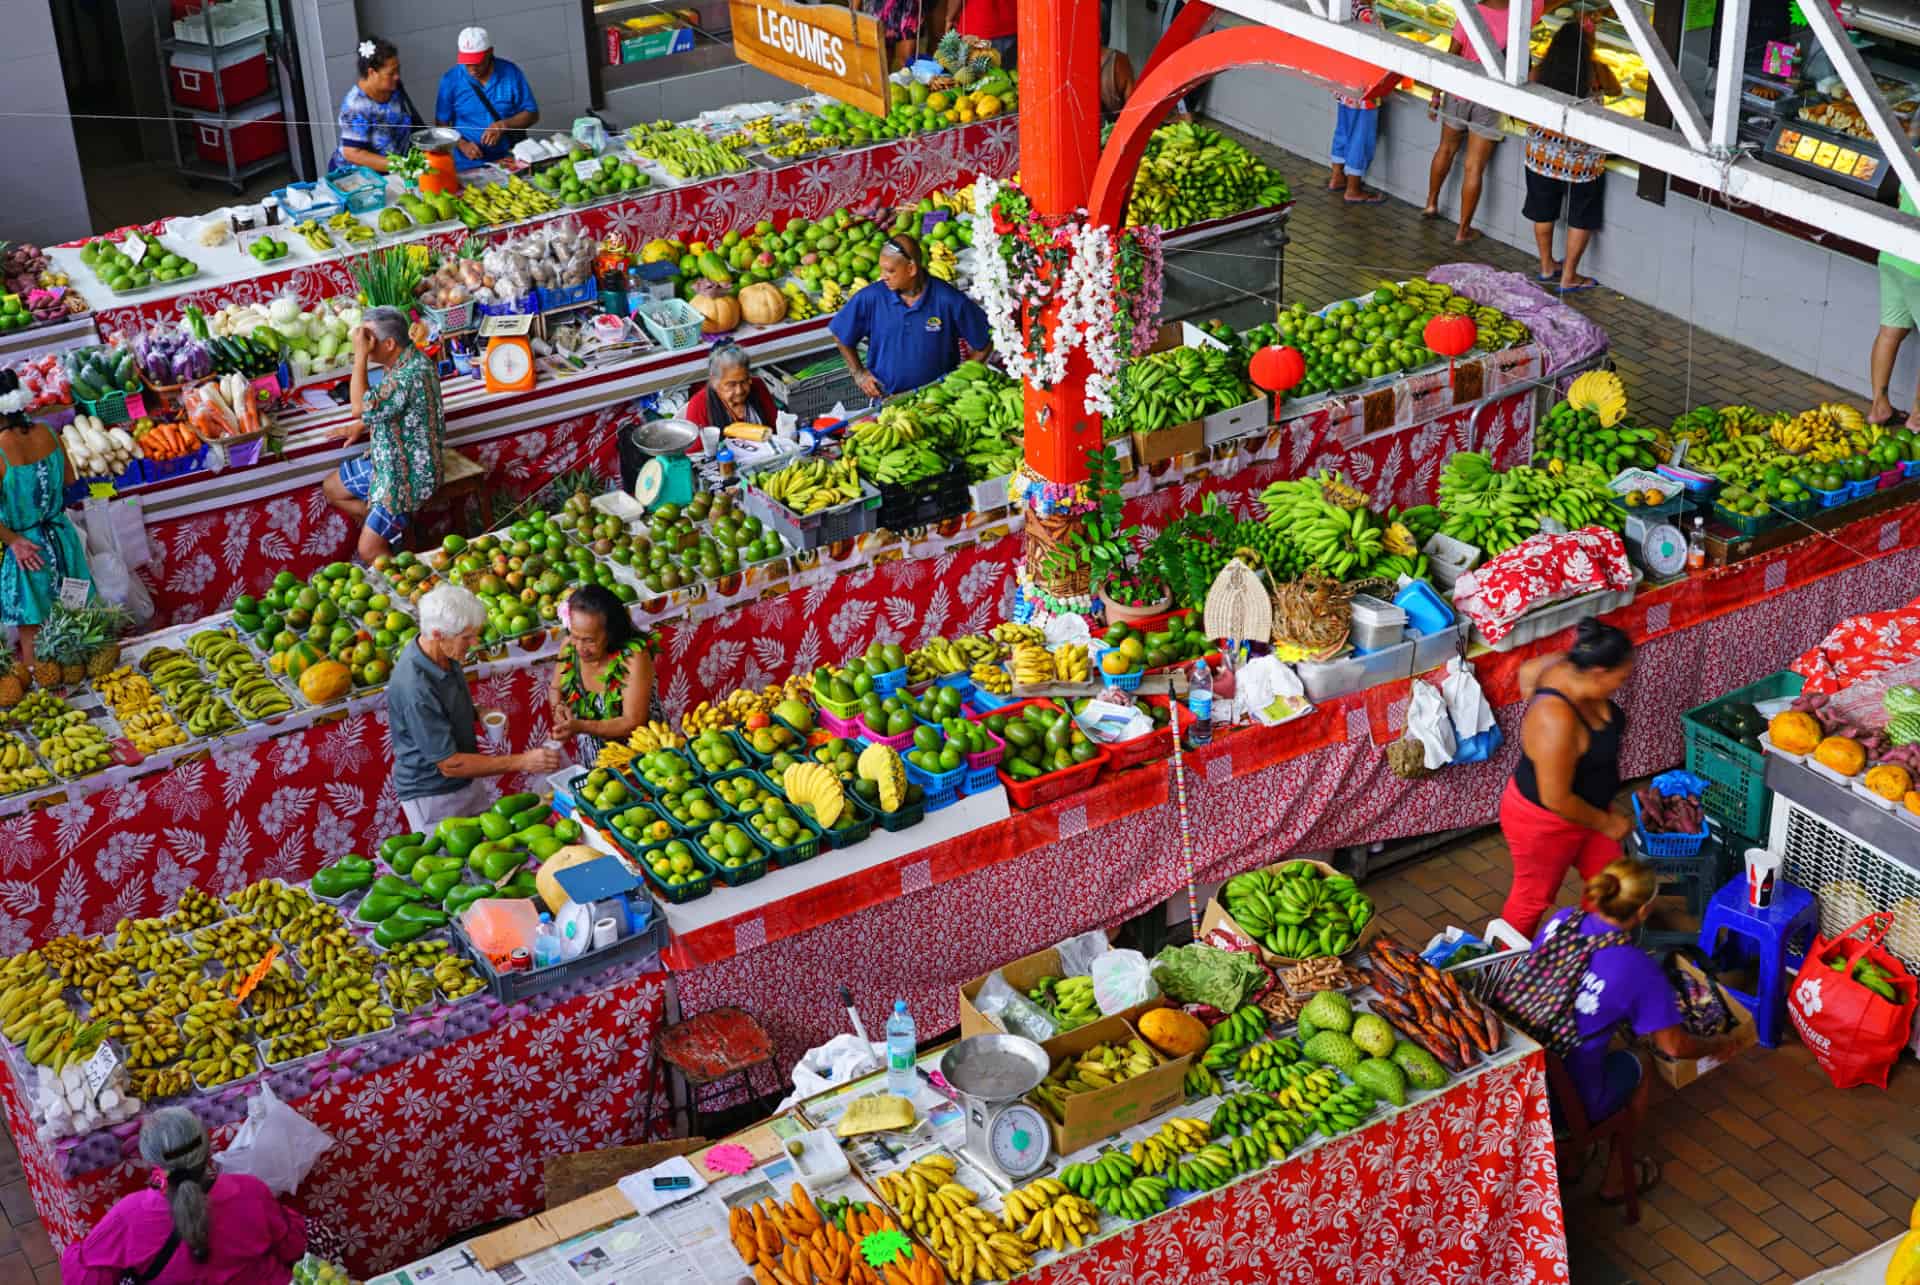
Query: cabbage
[[283, 310]]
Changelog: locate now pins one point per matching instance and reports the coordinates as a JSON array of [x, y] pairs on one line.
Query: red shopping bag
[[1853, 1003]]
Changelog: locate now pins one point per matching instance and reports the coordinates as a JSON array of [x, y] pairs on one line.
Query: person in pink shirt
[[201, 1229], [1475, 124]]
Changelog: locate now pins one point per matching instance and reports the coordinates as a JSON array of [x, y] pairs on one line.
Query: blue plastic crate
[[961, 680], [891, 681], [567, 296], [986, 702], [1862, 489], [942, 799], [1831, 499], [1911, 468], [1125, 682], [369, 193], [161, 470], [526, 305], [1663, 846], [935, 782], [976, 780]]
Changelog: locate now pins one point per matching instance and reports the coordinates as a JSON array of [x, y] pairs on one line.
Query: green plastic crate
[[1737, 795]]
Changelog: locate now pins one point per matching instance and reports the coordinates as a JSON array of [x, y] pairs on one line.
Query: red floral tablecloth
[[1458, 1190], [897, 172], [438, 1144]]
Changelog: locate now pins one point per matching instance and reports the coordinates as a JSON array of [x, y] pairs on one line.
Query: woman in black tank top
[[1557, 810]]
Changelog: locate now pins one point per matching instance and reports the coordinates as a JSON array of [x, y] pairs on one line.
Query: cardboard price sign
[[823, 47], [99, 1068]]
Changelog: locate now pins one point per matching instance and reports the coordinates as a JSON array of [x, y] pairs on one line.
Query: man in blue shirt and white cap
[[917, 327], [487, 99]]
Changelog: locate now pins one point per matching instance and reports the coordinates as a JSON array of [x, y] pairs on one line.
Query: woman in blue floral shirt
[[406, 424], [376, 116]]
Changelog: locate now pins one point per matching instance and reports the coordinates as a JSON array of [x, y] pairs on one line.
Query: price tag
[[101, 490], [135, 248], [588, 170], [136, 406], [74, 593], [253, 978], [267, 384], [100, 1068]]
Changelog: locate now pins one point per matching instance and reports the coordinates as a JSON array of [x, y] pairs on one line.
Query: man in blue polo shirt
[[487, 99], [917, 327]]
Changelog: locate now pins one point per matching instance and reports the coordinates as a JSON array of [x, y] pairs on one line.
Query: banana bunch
[[409, 988], [1031, 664], [351, 229], [1830, 431], [237, 943], [1067, 1000], [1307, 1087], [125, 690], [196, 908], [325, 941], [1009, 635], [343, 985], [314, 234], [1072, 664], [1260, 1066], [148, 943], [205, 713], [1170, 387], [989, 677], [901, 465], [1239, 1113], [1099, 1067], [1497, 509], [1743, 421], [1344, 1109], [165, 1082], [938, 657], [506, 202], [1602, 393], [1191, 173], [1161, 1150], [1140, 1196], [682, 152], [294, 1044], [730, 710], [1228, 1038], [150, 728], [456, 978], [217, 1050], [35, 705], [808, 486], [281, 1021], [832, 294], [894, 427], [655, 734], [269, 903], [52, 724], [1211, 1166], [77, 750], [800, 304], [114, 975], [26, 1002], [1341, 544], [21, 779], [277, 988], [344, 1020], [613, 754], [63, 1041], [149, 1041], [1200, 1082], [1054, 1217], [14, 753]]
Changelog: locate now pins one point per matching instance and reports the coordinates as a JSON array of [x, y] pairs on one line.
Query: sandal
[[1548, 278], [1647, 1171], [1371, 198], [1585, 283]]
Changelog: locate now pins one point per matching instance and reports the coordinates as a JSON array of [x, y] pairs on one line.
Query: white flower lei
[[1087, 311], [992, 287]]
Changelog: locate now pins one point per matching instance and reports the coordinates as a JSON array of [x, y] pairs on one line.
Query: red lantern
[[1277, 369], [1450, 334]]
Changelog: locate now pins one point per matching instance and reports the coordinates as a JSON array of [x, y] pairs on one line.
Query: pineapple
[[48, 646], [951, 51], [964, 76], [982, 65], [106, 623], [13, 687]]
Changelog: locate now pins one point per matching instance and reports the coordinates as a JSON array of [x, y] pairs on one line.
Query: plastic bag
[[1121, 979], [1855, 1030], [998, 1001], [1427, 722], [1477, 733], [842, 1059], [276, 1144], [1078, 953], [116, 584], [1270, 691], [1111, 717]]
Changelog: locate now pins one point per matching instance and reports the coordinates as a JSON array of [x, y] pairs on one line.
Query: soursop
[[1423, 1069], [1332, 1048], [1307, 1029], [1373, 1035], [1383, 1079], [1329, 1011]]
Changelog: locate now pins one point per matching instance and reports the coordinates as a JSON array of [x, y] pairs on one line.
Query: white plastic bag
[[1270, 691], [118, 585], [1061, 630], [276, 1144], [1078, 953], [841, 1059], [1121, 979], [1427, 722], [1466, 703]]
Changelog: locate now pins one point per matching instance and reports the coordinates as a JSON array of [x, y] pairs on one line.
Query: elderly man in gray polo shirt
[[438, 770]]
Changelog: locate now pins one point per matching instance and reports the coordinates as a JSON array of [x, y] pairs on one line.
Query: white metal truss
[[1703, 151]]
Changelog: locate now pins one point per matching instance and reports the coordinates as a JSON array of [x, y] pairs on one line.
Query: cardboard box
[[1174, 440], [1235, 421], [1102, 1113], [1682, 1071], [625, 45], [1024, 974], [1216, 916]]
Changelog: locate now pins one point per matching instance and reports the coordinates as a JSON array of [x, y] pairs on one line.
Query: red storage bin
[[258, 132], [242, 76]]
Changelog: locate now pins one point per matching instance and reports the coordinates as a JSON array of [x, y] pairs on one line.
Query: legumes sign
[[822, 46]]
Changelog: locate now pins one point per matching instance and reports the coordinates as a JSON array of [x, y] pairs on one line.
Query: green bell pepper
[[378, 907], [501, 862], [437, 886], [465, 895], [338, 880], [508, 805], [395, 886]]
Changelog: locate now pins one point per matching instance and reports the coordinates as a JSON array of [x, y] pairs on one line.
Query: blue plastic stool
[[1770, 933]]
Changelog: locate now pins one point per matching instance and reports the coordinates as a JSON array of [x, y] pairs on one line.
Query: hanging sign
[[824, 47]]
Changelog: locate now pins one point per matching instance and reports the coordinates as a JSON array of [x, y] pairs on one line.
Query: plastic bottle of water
[[901, 1046], [546, 943], [1200, 702]]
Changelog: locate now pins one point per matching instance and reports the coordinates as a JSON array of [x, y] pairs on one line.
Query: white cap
[[475, 44]]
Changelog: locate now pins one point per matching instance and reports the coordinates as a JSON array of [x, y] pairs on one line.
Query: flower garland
[[1108, 286]]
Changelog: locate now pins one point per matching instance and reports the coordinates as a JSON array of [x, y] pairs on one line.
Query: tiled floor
[[1769, 1172]]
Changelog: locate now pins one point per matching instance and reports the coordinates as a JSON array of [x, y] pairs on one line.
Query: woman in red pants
[[1557, 810]]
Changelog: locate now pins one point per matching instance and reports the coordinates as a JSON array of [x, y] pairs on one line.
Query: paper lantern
[[1277, 369], [1450, 334]]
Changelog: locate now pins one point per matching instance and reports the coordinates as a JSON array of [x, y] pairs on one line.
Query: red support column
[[1059, 148]]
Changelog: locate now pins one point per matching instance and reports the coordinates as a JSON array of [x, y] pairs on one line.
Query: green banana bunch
[[1210, 1167], [683, 153], [1173, 386], [1260, 1066], [1343, 1110]]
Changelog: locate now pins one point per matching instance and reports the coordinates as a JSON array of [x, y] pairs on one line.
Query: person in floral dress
[[603, 682], [39, 546], [400, 470]]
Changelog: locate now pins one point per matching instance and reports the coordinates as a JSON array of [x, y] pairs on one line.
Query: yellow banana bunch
[[1071, 664], [1008, 635], [1601, 392], [1046, 1214], [1031, 664], [969, 1242], [937, 657], [989, 677]]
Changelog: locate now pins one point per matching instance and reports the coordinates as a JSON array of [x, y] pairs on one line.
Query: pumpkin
[[762, 304], [1173, 1032], [721, 312], [325, 681], [1794, 731], [1841, 753], [1889, 781]]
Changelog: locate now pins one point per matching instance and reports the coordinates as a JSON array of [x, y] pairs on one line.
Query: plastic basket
[[524, 306], [847, 729], [443, 320], [904, 818], [936, 783], [844, 837], [790, 854], [109, 409], [936, 800], [1862, 489], [161, 470], [909, 505], [678, 894], [1128, 682], [1150, 745], [1665, 845], [357, 198], [1035, 791], [900, 741], [1737, 793], [324, 202], [1831, 499], [1910, 468], [1892, 477], [985, 702], [893, 680], [810, 396], [733, 876], [811, 530], [568, 296], [845, 711], [1744, 523], [673, 323]]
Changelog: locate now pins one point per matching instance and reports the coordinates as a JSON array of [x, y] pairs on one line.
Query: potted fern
[[1104, 546]]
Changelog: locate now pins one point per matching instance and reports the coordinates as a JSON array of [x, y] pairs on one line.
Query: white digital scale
[[1006, 1137]]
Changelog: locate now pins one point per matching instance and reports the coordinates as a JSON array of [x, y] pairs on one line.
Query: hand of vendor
[[471, 150], [349, 433], [491, 134], [545, 759], [27, 553], [868, 384], [1617, 826], [362, 343]]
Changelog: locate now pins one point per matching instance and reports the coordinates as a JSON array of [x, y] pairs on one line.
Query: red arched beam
[[1186, 25], [1172, 72]]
